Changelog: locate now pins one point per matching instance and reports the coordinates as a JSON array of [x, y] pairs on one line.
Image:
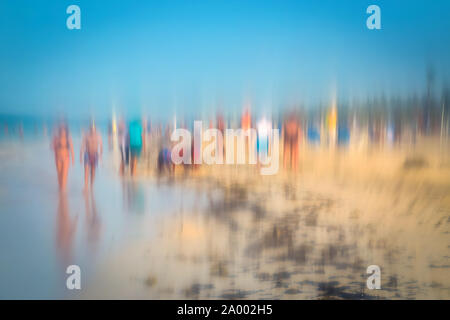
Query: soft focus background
[[364, 157]]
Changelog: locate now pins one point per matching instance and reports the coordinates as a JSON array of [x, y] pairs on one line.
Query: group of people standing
[[90, 153], [131, 141]]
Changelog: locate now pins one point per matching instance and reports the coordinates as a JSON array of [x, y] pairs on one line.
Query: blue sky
[[160, 56]]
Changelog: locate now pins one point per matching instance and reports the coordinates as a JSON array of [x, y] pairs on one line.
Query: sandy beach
[[224, 232], [307, 235]]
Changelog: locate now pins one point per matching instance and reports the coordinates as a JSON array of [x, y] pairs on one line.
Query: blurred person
[[148, 142], [91, 150], [246, 120], [376, 132], [63, 149], [196, 148], [397, 128], [343, 133], [124, 146], [153, 146], [220, 123], [291, 139], [263, 128], [110, 135], [331, 122], [164, 155], [136, 141], [246, 124], [185, 166], [313, 133], [390, 132], [221, 127]]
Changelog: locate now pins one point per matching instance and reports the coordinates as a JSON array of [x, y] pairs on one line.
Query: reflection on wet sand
[[93, 220], [133, 197], [66, 228]]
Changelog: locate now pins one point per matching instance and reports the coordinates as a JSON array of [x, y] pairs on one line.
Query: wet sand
[[309, 235], [227, 232]]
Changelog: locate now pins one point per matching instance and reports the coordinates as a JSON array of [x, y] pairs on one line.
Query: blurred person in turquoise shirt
[[137, 142]]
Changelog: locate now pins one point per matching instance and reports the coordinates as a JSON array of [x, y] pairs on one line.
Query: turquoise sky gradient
[[161, 56]]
